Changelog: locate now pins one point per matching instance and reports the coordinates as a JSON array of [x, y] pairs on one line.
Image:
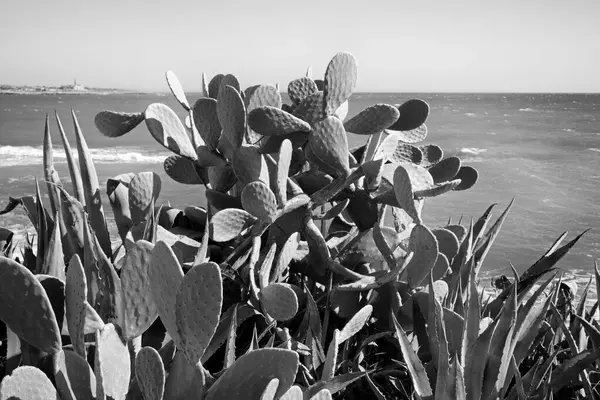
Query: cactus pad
[[144, 190], [413, 136], [373, 119], [447, 242], [425, 247], [445, 170], [299, 89], [221, 178], [340, 81], [251, 373], [403, 190], [432, 154], [260, 201], [139, 308], [74, 377], [249, 165], [165, 276], [280, 301], [168, 130], [112, 364], [182, 170], [26, 307], [231, 112], [199, 303], [438, 190], [115, 124], [214, 85], [441, 267], [207, 121], [177, 90], [468, 177], [269, 121], [329, 145], [27, 383], [229, 223], [330, 364], [413, 114], [311, 108], [150, 373]]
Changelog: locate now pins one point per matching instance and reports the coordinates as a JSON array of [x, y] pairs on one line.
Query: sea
[[541, 149]]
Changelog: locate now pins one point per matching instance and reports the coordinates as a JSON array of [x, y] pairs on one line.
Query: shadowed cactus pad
[[413, 114], [250, 374], [26, 307], [372, 120], [150, 373], [271, 121], [115, 124], [280, 301], [74, 377]]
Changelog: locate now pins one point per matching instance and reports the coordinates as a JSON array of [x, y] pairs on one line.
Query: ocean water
[[542, 149]]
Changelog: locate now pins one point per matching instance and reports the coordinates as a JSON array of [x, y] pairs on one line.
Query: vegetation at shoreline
[[289, 285]]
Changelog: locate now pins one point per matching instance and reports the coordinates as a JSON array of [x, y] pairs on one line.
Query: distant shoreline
[[49, 91]]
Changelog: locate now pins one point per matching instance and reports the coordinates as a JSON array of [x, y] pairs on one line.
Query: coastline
[[66, 92]]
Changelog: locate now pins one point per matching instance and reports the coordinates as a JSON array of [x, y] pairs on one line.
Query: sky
[[400, 46]]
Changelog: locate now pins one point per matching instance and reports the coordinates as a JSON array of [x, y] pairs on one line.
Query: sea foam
[[11, 156]]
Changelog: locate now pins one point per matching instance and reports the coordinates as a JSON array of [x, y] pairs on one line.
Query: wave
[[473, 151], [470, 114], [594, 149], [11, 156], [528, 109]]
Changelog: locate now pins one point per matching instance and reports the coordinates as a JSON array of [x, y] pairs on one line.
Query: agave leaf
[[569, 369], [444, 385], [150, 373], [231, 336], [73, 168], [472, 316], [28, 311], [177, 89], [115, 124], [74, 377], [280, 301], [44, 228], [468, 177], [592, 332], [229, 223], [249, 165], [112, 364], [50, 173], [27, 382], [418, 375], [329, 146], [373, 119], [475, 362], [356, 323], [53, 258], [198, 306], [252, 372], [75, 304], [272, 121], [340, 81], [286, 255], [91, 188], [331, 361], [168, 130], [445, 170], [335, 384], [118, 194], [501, 348]]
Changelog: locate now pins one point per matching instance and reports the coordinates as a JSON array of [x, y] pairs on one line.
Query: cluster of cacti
[[288, 285]]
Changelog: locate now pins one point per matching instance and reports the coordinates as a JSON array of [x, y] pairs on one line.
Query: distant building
[[76, 86]]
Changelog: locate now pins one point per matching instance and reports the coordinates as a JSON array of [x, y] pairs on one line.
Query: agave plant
[[289, 284]]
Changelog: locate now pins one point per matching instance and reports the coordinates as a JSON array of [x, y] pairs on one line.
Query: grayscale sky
[[401, 46]]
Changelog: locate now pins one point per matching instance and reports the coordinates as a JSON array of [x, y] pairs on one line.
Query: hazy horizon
[[426, 47]]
